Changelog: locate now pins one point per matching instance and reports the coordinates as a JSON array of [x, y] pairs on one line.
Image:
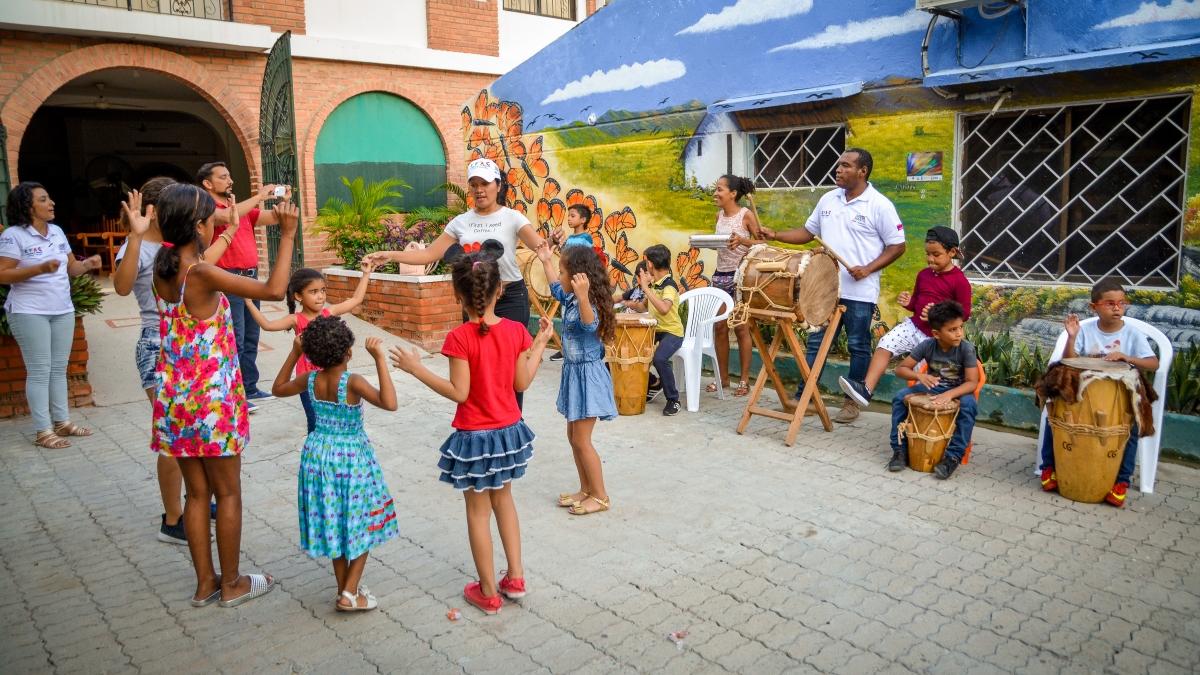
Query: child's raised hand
[[545, 330], [132, 208], [580, 284], [928, 380], [543, 251], [405, 359], [1071, 325], [298, 344], [368, 264], [375, 347], [288, 217], [644, 279], [904, 298]]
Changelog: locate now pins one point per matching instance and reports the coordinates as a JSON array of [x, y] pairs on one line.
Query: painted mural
[[640, 108]]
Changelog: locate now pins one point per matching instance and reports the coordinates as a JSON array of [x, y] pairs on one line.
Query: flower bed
[[420, 309]]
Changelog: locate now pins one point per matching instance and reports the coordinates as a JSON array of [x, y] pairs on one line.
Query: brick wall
[[32, 66], [464, 26], [280, 15], [422, 312], [12, 375]]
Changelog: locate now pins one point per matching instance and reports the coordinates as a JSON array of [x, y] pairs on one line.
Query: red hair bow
[[471, 248]]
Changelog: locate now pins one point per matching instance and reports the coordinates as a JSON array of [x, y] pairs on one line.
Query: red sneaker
[[475, 596], [512, 588], [1116, 496], [1049, 480]]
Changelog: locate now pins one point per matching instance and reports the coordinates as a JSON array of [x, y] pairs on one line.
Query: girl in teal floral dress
[[345, 508], [200, 409]]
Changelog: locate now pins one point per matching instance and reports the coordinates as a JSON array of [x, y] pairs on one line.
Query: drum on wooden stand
[[928, 429], [1090, 433], [629, 356], [775, 282]]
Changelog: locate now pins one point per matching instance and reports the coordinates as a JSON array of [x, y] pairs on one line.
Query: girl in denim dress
[[586, 391]]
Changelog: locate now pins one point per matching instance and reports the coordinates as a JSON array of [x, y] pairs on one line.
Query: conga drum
[[629, 356], [1090, 433], [535, 278], [780, 282], [928, 430]]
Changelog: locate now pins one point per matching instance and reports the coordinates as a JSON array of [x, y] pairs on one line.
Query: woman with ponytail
[[740, 224], [200, 412], [491, 357]]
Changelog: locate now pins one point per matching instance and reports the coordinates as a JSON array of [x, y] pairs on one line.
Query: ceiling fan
[[101, 102]]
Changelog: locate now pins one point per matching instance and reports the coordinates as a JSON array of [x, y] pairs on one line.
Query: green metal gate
[[277, 136], [4, 176]]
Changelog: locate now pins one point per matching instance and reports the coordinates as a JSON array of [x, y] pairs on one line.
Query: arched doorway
[[107, 131], [377, 135]]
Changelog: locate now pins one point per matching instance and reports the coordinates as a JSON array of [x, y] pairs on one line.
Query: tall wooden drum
[[776, 281], [629, 356], [1090, 433], [928, 430], [535, 277]]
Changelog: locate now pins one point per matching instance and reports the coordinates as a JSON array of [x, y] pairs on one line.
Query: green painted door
[[376, 136]]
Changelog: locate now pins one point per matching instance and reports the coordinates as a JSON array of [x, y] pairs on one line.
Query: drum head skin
[[819, 290], [1093, 363], [922, 401]]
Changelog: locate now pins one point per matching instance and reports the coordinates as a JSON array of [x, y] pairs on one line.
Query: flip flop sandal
[[566, 499], [260, 584], [711, 388], [51, 440], [578, 510], [71, 429], [742, 389], [205, 602], [372, 603]]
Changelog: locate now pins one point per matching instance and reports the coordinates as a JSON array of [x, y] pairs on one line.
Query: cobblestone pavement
[[773, 559]]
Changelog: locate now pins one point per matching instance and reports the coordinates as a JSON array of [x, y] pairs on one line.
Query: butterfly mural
[[551, 211], [627, 256], [527, 166], [689, 269]]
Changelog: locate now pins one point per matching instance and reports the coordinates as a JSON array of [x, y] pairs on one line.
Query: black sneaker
[[671, 408], [556, 356], [172, 534], [652, 393], [899, 461], [945, 467], [857, 392]]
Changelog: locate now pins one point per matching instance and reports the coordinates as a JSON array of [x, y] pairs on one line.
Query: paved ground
[[806, 559]]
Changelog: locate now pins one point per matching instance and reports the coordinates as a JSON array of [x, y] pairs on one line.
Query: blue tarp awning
[[810, 95]]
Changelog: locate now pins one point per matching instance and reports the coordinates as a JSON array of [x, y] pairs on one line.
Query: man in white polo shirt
[[862, 226]]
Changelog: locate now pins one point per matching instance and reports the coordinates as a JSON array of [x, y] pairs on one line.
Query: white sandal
[[260, 584], [353, 600]]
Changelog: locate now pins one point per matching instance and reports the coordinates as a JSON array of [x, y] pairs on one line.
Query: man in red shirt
[[241, 257]]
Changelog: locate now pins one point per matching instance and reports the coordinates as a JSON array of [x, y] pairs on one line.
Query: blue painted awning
[[811, 95], [1109, 58]]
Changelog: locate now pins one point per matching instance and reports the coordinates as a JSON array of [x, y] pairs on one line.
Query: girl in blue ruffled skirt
[[490, 360], [586, 392]]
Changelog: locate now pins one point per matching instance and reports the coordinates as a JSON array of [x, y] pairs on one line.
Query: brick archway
[[19, 108], [309, 151]]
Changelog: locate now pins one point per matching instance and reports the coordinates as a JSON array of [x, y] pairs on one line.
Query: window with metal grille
[[792, 158], [559, 9], [1075, 193]]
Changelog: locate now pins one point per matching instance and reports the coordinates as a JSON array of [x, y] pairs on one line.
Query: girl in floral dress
[[200, 416], [345, 508]]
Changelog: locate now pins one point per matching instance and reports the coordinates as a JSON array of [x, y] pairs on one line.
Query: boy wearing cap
[[942, 280]]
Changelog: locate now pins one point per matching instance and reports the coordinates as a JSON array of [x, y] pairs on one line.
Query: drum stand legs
[[549, 309], [784, 333]]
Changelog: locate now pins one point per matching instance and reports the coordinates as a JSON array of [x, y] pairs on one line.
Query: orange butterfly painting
[[690, 269], [527, 165], [508, 119], [625, 255], [550, 214], [619, 220]]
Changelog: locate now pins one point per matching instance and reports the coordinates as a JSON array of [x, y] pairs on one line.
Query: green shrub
[[85, 293]]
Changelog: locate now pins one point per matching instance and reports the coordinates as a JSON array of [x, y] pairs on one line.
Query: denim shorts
[[146, 354]]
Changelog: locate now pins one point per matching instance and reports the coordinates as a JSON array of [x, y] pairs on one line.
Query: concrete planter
[[12, 374], [418, 308]]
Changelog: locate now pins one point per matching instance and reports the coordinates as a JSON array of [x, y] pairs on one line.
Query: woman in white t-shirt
[[36, 262], [490, 219]]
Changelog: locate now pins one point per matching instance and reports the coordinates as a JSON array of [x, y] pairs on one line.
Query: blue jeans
[[964, 424], [667, 346], [857, 324], [45, 342], [245, 333], [309, 413], [1128, 459]]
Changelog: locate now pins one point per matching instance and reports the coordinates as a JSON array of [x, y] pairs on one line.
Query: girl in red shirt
[[491, 359], [942, 280]]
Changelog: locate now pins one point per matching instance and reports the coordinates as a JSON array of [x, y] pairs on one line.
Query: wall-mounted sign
[[924, 166]]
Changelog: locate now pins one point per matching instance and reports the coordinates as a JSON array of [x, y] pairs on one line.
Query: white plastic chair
[[703, 305], [1148, 445]]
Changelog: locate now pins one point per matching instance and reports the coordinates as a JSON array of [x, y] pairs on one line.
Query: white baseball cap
[[483, 168]]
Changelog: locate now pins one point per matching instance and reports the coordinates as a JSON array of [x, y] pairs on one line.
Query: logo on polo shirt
[[860, 219], [826, 213], [35, 250]]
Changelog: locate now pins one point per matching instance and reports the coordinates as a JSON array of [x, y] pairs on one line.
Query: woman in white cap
[[489, 219]]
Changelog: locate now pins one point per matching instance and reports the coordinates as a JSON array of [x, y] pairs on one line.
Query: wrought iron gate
[[4, 178], [277, 136]]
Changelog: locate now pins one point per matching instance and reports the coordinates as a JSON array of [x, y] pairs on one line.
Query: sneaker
[[652, 393], [1116, 496], [251, 407], [945, 467], [475, 596], [172, 534], [1049, 479], [899, 461], [212, 510], [511, 588], [848, 413], [671, 408], [855, 391], [556, 356], [259, 395]]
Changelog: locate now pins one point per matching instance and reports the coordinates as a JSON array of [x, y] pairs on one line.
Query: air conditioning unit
[[951, 5]]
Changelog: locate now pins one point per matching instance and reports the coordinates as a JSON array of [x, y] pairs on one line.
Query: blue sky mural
[[646, 56]]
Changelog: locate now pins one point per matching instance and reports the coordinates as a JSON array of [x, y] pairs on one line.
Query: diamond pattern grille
[[793, 158], [1076, 193]]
